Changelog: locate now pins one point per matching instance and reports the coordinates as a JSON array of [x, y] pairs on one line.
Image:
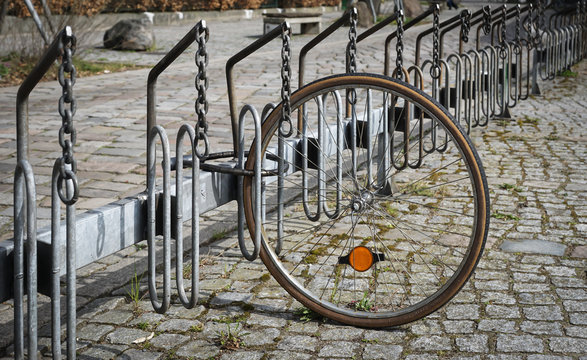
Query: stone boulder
[[129, 35], [412, 8], [365, 15]]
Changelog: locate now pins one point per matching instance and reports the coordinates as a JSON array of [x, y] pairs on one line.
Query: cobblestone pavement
[[527, 299]]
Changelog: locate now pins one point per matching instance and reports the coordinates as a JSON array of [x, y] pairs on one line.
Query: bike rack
[[61, 248]]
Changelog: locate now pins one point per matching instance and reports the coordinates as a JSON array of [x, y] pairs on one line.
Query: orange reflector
[[361, 258]]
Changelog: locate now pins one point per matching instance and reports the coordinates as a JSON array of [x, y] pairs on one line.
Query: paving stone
[[473, 343], [93, 332], [341, 334], [576, 331], [534, 246], [427, 327], [376, 351], [134, 354], [242, 355], [125, 335], [341, 349], [543, 312], [537, 298], [179, 325], [100, 351], [459, 326], [431, 343], [227, 298], [298, 342], [502, 312], [541, 327], [385, 336], [198, 349], [283, 355], [566, 345], [260, 337], [519, 343], [267, 320], [504, 357], [169, 341], [308, 328], [579, 251], [113, 317], [466, 312], [548, 357]]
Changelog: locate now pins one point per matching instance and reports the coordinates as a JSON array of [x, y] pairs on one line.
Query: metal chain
[[503, 40], [465, 25], [540, 15], [399, 47], [201, 83], [486, 20], [540, 23], [285, 126], [68, 164], [353, 42], [435, 68], [503, 25], [518, 23]]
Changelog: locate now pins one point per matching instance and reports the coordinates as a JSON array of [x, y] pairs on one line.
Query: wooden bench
[[310, 22]]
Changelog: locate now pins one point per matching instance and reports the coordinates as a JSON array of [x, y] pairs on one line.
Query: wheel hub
[[360, 202]]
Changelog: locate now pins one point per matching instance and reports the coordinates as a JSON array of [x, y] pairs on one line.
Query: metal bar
[[315, 41], [241, 160], [24, 180], [264, 40], [37, 21], [27, 86], [163, 64], [159, 306], [47, 13], [195, 221]]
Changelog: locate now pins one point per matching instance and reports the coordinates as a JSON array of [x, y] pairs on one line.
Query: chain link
[[67, 107], [503, 28], [530, 26], [353, 42], [399, 47], [518, 23], [540, 23], [201, 83], [465, 25], [486, 20], [285, 126], [435, 68]]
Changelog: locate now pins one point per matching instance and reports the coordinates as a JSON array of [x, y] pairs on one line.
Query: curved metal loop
[[187, 130], [258, 184], [204, 137], [159, 132], [74, 193], [419, 83], [267, 109], [24, 180], [339, 136]]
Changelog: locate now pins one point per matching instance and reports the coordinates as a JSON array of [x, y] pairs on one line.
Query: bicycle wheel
[[380, 235]]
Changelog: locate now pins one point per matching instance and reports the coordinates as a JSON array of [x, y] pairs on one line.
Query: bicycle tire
[[445, 240]]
